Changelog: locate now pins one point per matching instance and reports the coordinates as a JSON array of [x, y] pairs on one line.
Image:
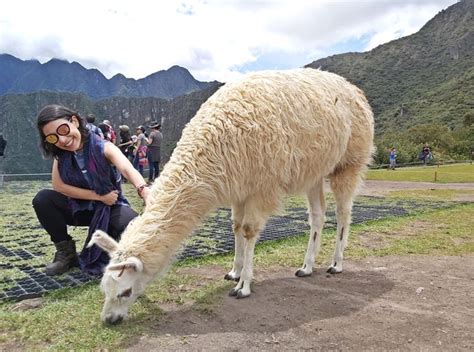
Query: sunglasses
[[62, 130]]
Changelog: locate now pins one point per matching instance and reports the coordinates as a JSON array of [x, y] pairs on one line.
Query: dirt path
[[383, 187], [391, 303]]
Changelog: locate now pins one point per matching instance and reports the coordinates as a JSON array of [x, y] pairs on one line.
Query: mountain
[[18, 121], [424, 78], [28, 76], [420, 87]]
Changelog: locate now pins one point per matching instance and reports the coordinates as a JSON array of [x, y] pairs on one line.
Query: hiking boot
[[64, 259]]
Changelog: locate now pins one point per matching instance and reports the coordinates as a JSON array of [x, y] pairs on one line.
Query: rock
[[28, 304]]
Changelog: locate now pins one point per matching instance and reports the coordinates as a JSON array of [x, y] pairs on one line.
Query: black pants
[[153, 167], [54, 215]]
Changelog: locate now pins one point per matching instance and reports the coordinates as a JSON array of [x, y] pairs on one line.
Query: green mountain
[[423, 79], [18, 121]]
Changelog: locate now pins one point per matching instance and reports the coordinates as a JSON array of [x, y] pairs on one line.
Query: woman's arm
[[149, 140], [116, 157], [79, 193], [124, 144], [139, 140]]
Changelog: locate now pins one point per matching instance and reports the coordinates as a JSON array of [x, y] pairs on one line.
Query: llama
[[255, 141]]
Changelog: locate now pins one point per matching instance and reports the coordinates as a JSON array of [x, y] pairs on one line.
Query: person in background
[[141, 149], [125, 140], [426, 154], [90, 125], [132, 148], [3, 145], [108, 131], [86, 188], [154, 143], [393, 158]]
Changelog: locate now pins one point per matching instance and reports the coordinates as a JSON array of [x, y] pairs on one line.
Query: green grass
[[69, 318], [443, 173]]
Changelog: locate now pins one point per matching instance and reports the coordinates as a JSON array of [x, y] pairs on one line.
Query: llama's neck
[[177, 204]]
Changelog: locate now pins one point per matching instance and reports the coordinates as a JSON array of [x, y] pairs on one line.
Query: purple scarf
[[103, 179]]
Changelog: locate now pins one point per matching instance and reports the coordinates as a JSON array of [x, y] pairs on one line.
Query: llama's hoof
[[240, 294], [301, 273], [334, 270], [234, 292], [231, 277]]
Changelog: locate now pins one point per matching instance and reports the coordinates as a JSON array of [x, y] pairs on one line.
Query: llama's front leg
[[234, 274], [237, 218], [317, 209], [242, 289]]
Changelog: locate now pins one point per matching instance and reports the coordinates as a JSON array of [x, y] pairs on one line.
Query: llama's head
[[123, 280]]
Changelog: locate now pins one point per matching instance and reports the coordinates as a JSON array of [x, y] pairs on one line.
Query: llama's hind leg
[[237, 218], [252, 225], [344, 184], [317, 209]]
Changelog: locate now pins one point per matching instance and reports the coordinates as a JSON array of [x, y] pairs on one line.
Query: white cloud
[[213, 39]]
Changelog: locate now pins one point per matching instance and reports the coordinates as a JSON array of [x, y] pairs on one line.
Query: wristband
[[140, 189]]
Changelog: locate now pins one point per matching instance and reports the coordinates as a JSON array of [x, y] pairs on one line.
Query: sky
[[214, 40]]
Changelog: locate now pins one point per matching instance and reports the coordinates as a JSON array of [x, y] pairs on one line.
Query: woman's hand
[[116, 157], [110, 198]]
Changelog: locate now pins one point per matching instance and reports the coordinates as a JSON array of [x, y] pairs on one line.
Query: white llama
[[252, 143]]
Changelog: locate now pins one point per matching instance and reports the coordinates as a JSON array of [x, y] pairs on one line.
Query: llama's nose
[[113, 319]]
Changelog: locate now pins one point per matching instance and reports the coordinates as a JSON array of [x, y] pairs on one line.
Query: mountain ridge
[[27, 76], [402, 78]]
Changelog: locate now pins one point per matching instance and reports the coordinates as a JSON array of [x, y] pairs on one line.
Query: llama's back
[[276, 132]]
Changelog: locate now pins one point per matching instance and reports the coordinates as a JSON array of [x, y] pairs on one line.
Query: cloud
[[213, 39]]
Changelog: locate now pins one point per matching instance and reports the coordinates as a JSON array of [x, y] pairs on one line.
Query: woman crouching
[[86, 188]]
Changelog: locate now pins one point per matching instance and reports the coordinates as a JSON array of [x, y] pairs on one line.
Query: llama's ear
[[104, 241], [131, 263]]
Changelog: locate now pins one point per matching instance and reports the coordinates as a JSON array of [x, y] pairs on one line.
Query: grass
[[69, 318], [441, 174]]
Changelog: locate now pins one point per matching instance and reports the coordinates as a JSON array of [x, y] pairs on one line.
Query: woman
[[154, 143], [140, 151], [86, 188]]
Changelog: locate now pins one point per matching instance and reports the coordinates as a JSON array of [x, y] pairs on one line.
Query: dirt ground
[[414, 303], [391, 303]]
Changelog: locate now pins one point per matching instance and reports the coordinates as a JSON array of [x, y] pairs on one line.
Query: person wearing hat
[[140, 149], [125, 140], [154, 144], [108, 131]]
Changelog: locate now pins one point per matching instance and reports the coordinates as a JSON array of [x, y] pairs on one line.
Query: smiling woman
[[86, 188]]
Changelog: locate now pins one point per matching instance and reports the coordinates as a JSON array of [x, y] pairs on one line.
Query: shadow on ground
[[280, 303]]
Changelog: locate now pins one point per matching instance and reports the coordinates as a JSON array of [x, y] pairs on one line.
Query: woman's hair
[[51, 113]]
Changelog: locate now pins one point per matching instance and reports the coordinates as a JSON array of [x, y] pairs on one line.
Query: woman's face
[[65, 133]]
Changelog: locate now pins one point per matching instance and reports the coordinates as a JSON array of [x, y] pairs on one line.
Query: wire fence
[[421, 163]]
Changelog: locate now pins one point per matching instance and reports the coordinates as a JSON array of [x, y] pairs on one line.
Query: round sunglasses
[[62, 130]]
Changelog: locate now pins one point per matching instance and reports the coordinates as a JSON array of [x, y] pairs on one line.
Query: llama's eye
[[126, 293]]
